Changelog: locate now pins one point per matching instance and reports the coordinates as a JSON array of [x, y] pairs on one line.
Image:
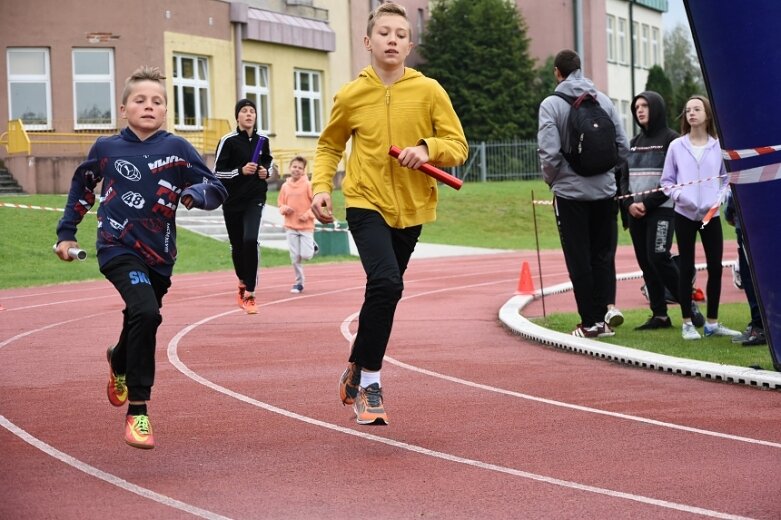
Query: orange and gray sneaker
[[249, 305], [368, 406], [138, 432], [116, 388], [242, 290], [349, 383]]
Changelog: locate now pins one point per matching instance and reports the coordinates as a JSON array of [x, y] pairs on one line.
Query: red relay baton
[[432, 171]]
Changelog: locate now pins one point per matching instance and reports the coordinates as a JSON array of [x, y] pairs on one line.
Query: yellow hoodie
[[412, 111]]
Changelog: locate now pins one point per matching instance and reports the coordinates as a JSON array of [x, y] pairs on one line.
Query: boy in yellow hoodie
[[295, 200], [387, 200]]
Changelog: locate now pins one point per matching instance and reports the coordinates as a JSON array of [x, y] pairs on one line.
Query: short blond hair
[[144, 73], [382, 10]]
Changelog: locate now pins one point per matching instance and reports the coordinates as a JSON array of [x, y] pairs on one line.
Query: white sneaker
[[614, 318], [689, 331], [717, 329]]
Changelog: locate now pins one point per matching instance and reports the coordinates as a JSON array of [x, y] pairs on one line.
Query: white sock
[[369, 378]]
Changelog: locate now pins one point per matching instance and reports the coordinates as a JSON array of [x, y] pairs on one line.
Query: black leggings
[[713, 243], [243, 228], [142, 290], [385, 253]]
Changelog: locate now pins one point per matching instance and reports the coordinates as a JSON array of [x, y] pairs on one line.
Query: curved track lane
[[482, 423]]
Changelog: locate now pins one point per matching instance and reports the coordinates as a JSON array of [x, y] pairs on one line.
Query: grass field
[[495, 215]]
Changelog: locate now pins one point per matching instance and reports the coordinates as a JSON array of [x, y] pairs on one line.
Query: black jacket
[[233, 152]]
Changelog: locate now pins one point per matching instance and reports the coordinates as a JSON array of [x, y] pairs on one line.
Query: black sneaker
[[756, 338], [698, 320], [655, 322]]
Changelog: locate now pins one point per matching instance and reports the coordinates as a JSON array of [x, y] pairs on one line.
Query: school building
[[64, 63]]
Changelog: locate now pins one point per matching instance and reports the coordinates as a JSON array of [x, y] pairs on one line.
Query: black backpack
[[592, 138]]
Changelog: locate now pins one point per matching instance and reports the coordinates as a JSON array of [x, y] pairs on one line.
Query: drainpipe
[[237, 45], [578, 15], [632, 48]]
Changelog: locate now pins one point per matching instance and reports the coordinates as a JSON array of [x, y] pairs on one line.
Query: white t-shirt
[[698, 151]]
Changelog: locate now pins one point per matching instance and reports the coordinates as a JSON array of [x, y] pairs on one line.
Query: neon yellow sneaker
[[116, 388], [368, 406], [138, 432]]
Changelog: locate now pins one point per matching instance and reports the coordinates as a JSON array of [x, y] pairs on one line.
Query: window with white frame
[[645, 48], [627, 117], [29, 87], [655, 46], [255, 88], [191, 91], [622, 40], [308, 97], [635, 37], [93, 89], [611, 38], [421, 25]]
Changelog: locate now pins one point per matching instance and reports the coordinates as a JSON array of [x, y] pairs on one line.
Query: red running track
[[482, 423]]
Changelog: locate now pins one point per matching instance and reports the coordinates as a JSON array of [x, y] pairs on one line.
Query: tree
[[680, 60], [479, 52], [659, 82]]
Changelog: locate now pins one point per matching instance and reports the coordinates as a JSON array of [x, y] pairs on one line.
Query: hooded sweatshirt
[[553, 136], [143, 182], [695, 186], [412, 111], [647, 152]]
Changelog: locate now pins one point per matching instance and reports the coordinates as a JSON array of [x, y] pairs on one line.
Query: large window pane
[[28, 103], [93, 104]]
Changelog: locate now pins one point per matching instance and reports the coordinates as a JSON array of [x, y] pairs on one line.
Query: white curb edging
[[510, 316]]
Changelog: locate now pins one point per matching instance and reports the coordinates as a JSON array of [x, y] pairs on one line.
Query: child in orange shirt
[[295, 201]]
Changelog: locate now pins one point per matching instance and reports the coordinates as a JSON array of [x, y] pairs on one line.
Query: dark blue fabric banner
[[739, 46]]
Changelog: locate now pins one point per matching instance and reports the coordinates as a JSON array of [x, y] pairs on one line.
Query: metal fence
[[500, 161]]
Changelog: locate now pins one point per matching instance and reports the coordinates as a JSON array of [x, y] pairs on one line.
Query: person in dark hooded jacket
[[651, 217]]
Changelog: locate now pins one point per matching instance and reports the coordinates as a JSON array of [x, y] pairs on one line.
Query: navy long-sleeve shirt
[[142, 183]]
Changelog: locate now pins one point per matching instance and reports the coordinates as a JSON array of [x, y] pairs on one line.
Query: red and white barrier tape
[[733, 155]]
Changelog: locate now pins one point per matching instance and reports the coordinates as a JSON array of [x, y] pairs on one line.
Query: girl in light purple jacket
[[694, 177]]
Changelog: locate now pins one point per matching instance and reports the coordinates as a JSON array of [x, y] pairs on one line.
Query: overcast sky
[[675, 14]]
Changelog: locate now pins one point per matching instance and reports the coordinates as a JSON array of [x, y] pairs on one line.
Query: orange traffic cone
[[525, 284]]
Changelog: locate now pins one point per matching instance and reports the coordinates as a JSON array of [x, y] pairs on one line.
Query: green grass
[[496, 215], [669, 341]]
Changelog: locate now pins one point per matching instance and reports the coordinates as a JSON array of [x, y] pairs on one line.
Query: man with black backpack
[[581, 140]]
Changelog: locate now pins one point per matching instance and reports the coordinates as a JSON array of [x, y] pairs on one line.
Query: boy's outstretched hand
[[321, 207]]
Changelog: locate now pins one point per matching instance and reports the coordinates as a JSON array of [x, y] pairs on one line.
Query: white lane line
[[345, 328], [106, 477], [173, 357]]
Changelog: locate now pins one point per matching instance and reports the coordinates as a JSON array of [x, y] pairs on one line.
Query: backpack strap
[[565, 97]]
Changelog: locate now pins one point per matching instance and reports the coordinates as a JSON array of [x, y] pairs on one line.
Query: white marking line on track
[[345, 328], [106, 477], [173, 357]]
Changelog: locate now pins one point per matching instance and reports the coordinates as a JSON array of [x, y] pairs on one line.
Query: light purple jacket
[[693, 201]]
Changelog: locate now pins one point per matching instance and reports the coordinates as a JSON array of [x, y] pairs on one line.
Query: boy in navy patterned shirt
[[145, 173]]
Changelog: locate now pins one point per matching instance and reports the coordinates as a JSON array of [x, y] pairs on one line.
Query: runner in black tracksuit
[[651, 216], [247, 187]]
